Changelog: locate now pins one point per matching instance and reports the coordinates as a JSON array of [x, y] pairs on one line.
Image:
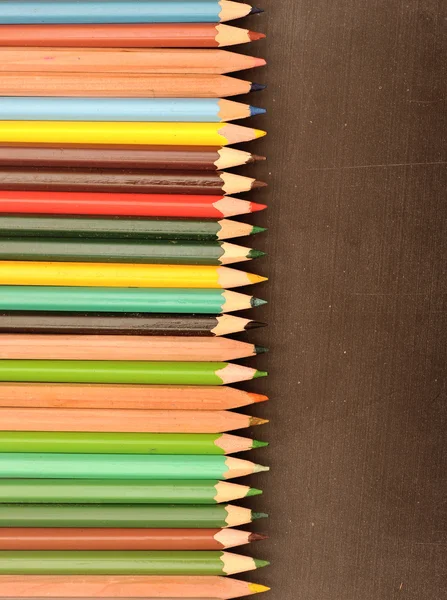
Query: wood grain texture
[[356, 252]]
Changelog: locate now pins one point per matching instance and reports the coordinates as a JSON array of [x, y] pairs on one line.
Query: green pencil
[[123, 466], [121, 491], [155, 516], [125, 562], [167, 252], [128, 300], [132, 372], [124, 443], [113, 227]]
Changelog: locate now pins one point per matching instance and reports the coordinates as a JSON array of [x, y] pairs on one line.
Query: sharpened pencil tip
[[259, 133], [255, 302], [257, 157], [255, 325], [257, 87], [254, 207], [255, 253], [258, 184], [260, 374], [257, 537], [260, 563], [254, 492], [257, 229], [258, 515], [255, 35], [256, 10], [254, 421], [259, 62], [260, 469], [261, 350], [257, 397], [259, 444], [255, 110]]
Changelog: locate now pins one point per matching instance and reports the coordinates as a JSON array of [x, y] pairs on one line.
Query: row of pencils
[[118, 300]]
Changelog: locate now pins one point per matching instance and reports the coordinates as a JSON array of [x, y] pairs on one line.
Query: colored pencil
[[113, 227], [123, 275], [130, 397], [13, 538], [166, 35], [125, 443], [130, 562], [158, 516], [125, 205], [140, 134], [123, 420], [126, 85], [124, 300], [111, 180], [168, 158], [125, 251], [124, 109], [123, 347], [122, 586], [128, 11], [118, 60], [118, 324]]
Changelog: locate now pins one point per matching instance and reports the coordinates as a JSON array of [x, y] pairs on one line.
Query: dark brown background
[[357, 167]]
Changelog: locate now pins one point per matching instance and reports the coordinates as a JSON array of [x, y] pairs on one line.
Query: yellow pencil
[[122, 275], [147, 134]]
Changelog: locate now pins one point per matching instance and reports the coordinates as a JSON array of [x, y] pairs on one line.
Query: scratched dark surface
[[357, 167]]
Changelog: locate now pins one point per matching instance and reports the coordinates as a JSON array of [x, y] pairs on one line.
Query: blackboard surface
[[357, 252]]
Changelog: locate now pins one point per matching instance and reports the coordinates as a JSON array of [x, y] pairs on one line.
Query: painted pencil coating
[[129, 397], [124, 300], [140, 134]]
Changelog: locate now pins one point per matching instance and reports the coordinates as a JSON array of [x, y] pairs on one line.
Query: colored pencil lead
[[257, 87]]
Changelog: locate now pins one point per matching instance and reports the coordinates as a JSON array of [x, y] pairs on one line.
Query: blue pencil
[[117, 11], [196, 110]]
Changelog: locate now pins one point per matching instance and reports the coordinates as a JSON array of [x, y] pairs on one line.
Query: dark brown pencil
[[160, 158], [105, 180], [123, 324]]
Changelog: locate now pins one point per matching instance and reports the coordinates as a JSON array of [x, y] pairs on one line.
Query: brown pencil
[[121, 420], [137, 587], [51, 538], [165, 35], [129, 397], [129, 181], [119, 60], [123, 347], [169, 158], [129, 85]]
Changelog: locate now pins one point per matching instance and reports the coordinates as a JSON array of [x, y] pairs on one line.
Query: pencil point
[[255, 35], [253, 278], [259, 133], [258, 515], [257, 397], [257, 537], [259, 62], [260, 563], [255, 110], [255, 325], [257, 157], [258, 184], [256, 229], [255, 421], [255, 302], [260, 350], [255, 10], [260, 374], [255, 207], [253, 492], [259, 444], [257, 87], [255, 253]]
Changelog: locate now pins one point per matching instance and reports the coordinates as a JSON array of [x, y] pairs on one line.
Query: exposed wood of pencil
[[131, 85], [122, 420], [122, 347], [170, 158], [135, 324], [47, 538], [129, 397], [140, 587], [166, 35], [124, 205], [119, 60], [107, 180]]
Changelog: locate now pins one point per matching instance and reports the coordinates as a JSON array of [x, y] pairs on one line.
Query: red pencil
[[129, 205]]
